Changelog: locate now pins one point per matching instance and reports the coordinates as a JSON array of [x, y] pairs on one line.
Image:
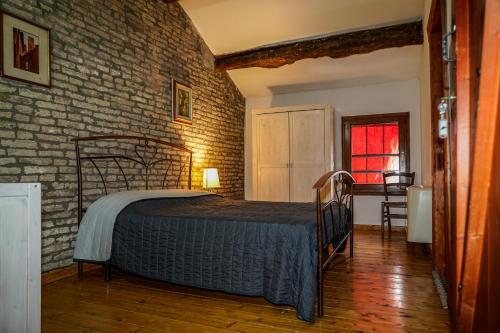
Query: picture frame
[[25, 50], [182, 102]]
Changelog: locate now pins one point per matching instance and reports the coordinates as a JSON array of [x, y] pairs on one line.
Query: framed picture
[[25, 50], [182, 103]]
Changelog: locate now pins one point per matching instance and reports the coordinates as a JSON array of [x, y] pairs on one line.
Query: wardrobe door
[[307, 153], [273, 157]]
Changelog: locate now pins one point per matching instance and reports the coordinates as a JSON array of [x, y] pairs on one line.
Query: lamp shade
[[210, 178]]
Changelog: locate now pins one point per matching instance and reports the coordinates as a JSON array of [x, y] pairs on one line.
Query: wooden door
[[307, 153], [273, 156]]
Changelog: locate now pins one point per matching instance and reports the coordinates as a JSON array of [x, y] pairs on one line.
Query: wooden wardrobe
[[291, 148]]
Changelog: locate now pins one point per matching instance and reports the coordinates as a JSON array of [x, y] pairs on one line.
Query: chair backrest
[[395, 182]]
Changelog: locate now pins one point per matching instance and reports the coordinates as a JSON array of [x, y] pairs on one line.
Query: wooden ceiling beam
[[333, 46]]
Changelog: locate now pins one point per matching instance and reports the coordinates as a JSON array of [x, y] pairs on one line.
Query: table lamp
[[210, 178]]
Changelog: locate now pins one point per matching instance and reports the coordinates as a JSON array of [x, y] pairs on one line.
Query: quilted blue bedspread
[[242, 247]]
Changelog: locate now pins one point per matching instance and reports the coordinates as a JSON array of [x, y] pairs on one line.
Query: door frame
[[439, 233]]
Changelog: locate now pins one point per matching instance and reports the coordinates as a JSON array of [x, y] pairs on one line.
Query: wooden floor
[[386, 287]]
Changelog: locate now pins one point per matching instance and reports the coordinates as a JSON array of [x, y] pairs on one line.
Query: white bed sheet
[[95, 235]]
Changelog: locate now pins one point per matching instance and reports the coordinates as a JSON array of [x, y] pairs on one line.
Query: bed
[[200, 239]]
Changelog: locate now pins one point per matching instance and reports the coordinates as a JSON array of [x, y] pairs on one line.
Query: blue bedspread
[[242, 247]]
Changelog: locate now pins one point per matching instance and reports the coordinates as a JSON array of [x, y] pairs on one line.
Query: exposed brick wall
[[112, 65]]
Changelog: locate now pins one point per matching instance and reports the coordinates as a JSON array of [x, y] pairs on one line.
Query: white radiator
[[419, 224]]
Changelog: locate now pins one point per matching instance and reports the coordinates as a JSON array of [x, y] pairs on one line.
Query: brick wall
[[112, 65]]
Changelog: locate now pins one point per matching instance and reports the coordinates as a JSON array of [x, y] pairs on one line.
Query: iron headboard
[[137, 156]]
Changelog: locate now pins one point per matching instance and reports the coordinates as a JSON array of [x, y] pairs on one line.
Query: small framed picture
[[25, 50], [182, 103]]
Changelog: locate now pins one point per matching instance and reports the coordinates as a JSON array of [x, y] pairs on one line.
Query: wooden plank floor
[[386, 287]]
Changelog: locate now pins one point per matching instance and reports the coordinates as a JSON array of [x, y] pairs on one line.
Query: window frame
[[403, 120]]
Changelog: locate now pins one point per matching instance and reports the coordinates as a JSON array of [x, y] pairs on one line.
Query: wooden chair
[[395, 183]]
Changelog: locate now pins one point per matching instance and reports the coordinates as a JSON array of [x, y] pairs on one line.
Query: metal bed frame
[[339, 184]]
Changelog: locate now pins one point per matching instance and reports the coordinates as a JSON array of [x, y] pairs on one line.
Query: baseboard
[[66, 272], [369, 227]]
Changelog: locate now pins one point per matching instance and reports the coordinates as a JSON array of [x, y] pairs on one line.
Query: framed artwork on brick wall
[[25, 50], [182, 103]]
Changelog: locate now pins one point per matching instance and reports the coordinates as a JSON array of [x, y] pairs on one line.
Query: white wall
[[398, 96]]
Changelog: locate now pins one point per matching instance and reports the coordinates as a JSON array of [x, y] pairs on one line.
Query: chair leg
[[388, 218], [389, 223], [382, 221]]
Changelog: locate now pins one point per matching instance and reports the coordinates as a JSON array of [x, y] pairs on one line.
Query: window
[[374, 144]]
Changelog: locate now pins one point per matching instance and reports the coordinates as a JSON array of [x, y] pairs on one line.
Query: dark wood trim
[[333, 46], [2, 13], [435, 18], [434, 31], [402, 118]]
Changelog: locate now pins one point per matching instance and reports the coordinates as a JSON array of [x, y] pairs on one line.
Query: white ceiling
[[393, 64], [234, 25]]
